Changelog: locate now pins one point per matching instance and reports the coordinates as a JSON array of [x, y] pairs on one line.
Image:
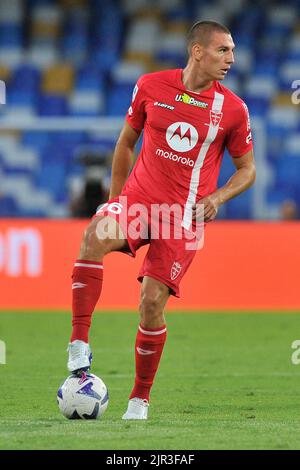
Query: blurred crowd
[[66, 61]]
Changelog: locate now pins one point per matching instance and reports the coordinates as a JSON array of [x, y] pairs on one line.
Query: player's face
[[217, 57]]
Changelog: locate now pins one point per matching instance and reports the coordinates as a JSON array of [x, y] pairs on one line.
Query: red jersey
[[185, 135]]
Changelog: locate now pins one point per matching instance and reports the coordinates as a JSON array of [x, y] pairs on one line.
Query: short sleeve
[[239, 140], [136, 114]]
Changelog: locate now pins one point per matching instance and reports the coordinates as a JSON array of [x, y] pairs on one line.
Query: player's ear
[[197, 51]]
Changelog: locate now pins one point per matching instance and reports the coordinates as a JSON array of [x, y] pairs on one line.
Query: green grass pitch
[[226, 381]]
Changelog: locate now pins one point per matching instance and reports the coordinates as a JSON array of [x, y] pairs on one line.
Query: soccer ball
[[84, 397]]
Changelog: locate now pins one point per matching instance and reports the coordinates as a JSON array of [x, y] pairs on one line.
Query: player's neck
[[194, 81]]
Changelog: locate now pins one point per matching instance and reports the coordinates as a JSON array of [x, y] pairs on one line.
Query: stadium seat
[[10, 35], [105, 61], [35, 139], [19, 97], [260, 87], [125, 74], [26, 78], [58, 79], [149, 29], [243, 60], [52, 105], [287, 174], [171, 47], [9, 207], [119, 100], [289, 71], [266, 68], [11, 56], [12, 11], [292, 145], [86, 103], [89, 77], [52, 177]]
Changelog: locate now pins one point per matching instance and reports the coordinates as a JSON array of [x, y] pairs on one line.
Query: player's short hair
[[201, 32]]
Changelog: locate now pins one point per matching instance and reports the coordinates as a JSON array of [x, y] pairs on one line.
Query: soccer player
[[188, 119]]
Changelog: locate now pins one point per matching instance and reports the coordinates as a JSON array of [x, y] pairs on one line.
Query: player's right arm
[[124, 152], [123, 159]]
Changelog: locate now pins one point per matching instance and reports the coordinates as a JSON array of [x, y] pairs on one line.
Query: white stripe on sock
[[146, 332], [85, 265]]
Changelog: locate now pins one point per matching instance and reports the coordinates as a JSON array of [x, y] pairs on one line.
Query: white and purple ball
[[84, 397]]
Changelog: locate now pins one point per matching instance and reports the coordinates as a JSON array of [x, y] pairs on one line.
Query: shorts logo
[[215, 118], [181, 136], [175, 270]]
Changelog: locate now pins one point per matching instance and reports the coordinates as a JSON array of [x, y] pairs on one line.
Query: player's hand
[[206, 209]]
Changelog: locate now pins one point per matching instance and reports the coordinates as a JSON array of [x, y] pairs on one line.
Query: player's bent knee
[[89, 249], [108, 230], [91, 245], [101, 237]]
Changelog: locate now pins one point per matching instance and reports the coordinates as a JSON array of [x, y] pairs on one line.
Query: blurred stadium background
[[70, 67]]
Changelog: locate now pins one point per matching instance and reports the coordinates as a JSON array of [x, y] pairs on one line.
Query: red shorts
[[169, 255]]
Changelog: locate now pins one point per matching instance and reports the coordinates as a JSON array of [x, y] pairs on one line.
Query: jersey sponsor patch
[[164, 105], [182, 136], [187, 99], [175, 158]]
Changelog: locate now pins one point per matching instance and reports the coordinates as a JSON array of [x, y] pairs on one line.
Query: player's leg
[[102, 236], [167, 260], [150, 340]]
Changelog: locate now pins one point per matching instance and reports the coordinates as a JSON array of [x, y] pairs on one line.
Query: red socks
[[148, 349], [86, 288]]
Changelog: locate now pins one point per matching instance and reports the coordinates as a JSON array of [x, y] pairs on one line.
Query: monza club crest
[[175, 270], [215, 118]]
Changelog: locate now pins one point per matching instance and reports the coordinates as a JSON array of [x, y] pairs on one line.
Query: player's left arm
[[241, 180]]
